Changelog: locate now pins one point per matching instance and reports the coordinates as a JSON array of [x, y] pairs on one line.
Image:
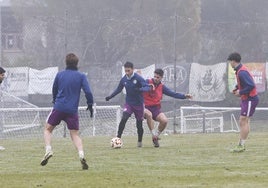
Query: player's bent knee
[[49, 127], [148, 114], [164, 122]]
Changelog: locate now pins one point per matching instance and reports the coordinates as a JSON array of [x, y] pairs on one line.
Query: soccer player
[[134, 85], [2, 77], [246, 90], [66, 95], [152, 101]]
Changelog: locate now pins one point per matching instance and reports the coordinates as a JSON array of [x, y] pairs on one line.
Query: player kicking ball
[[134, 85], [152, 101]]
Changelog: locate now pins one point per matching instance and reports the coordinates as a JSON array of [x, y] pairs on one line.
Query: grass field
[[190, 160]]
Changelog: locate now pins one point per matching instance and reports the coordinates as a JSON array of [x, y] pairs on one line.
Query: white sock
[[81, 154], [158, 133], [48, 148], [242, 142]]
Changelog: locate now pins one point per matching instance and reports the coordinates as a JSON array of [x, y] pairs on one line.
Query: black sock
[[122, 124], [139, 130]]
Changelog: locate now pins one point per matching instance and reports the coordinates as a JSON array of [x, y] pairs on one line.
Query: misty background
[[106, 33]]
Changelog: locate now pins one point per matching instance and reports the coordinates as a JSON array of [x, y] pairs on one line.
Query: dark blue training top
[[173, 94], [134, 87], [67, 88]]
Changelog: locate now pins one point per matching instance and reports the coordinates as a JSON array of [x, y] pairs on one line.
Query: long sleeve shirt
[[67, 88], [134, 86]]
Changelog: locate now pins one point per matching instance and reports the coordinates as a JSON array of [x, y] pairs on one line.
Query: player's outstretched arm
[[116, 91], [175, 95]]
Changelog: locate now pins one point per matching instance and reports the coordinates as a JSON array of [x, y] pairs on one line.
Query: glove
[[89, 107], [107, 98]]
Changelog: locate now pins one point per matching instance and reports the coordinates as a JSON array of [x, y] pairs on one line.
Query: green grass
[[190, 160]]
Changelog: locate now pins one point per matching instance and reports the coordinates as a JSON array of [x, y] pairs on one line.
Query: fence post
[[204, 121], [182, 125]]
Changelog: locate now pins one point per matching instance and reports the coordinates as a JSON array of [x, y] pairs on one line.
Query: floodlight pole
[[175, 72]]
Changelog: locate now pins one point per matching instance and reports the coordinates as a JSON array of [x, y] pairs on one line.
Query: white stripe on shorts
[[249, 108], [49, 115]]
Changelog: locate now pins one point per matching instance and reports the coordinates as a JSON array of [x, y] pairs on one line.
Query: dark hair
[[71, 61], [128, 65], [2, 70], [160, 72], [234, 57]]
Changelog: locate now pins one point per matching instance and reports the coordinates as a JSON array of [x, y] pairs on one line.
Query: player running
[[152, 101], [66, 95]]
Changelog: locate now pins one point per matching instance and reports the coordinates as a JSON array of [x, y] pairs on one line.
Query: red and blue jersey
[[245, 83], [154, 97]]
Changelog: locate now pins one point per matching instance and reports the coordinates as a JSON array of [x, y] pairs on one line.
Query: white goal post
[[194, 119], [29, 121]]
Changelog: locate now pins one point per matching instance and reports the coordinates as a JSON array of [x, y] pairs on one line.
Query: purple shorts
[[248, 107], [137, 110], [55, 117], [155, 110]]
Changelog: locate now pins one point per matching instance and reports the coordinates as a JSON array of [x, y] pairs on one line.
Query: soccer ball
[[116, 142]]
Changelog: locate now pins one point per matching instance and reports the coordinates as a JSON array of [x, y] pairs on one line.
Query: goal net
[[197, 119], [30, 121]]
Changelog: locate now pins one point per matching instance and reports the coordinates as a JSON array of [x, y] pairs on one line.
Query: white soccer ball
[[116, 142]]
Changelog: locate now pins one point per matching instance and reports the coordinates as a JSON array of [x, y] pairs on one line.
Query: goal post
[[105, 119], [29, 121], [196, 119]]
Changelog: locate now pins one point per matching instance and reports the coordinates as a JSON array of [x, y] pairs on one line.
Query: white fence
[[217, 119]]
